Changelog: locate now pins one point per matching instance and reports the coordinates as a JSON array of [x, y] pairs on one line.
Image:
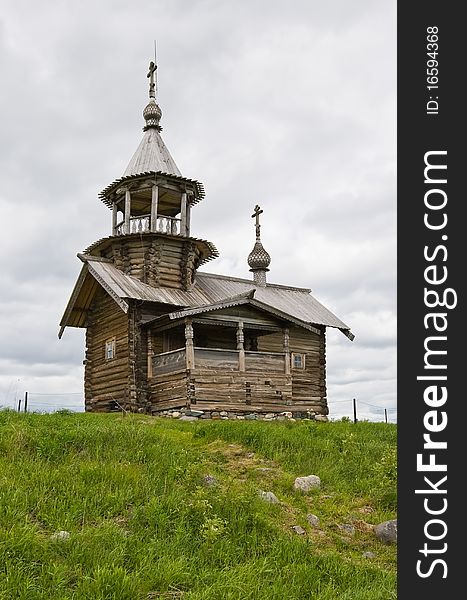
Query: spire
[[152, 154], [152, 113], [258, 259]]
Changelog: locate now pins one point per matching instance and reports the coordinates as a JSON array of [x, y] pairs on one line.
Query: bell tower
[[151, 208]]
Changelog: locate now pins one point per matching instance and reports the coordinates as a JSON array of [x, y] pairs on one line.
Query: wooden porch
[[232, 378], [219, 378]]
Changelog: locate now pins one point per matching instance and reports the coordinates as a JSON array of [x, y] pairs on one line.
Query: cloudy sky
[[290, 105]]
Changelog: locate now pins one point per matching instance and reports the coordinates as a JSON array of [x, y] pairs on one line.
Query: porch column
[[183, 206], [240, 347], [154, 203], [127, 210], [150, 354], [190, 350], [114, 218], [286, 352]]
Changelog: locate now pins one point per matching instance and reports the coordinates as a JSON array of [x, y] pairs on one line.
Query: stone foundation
[[238, 416]]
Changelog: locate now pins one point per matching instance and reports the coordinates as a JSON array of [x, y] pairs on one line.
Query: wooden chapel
[[161, 335]]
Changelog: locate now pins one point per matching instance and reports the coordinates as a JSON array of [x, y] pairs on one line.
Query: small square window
[[110, 349], [298, 360]]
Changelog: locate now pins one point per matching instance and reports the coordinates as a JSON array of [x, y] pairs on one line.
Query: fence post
[[354, 410], [25, 402], [19, 404], [385, 415]]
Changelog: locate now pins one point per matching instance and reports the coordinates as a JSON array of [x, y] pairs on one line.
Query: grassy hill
[[143, 521]]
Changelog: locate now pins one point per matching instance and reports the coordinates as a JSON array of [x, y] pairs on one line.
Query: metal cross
[[256, 214], [152, 70]]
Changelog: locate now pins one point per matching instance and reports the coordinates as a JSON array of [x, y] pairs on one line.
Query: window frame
[[110, 344], [302, 357]]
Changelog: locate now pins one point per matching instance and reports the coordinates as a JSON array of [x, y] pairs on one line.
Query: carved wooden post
[[154, 203], [127, 210], [188, 218], [183, 207], [286, 351], [240, 347], [150, 354], [190, 350], [114, 218]]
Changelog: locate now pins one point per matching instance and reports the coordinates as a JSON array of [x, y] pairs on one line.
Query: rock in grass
[[298, 529], [186, 418], [347, 528], [269, 497], [194, 413], [386, 531], [60, 535], [210, 480], [305, 484], [368, 554], [312, 520]]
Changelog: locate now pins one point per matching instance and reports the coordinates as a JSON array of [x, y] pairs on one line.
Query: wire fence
[[359, 410], [45, 402], [353, 409]]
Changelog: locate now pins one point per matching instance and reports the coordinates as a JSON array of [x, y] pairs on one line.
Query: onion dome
[[259, 258], [152, 115]]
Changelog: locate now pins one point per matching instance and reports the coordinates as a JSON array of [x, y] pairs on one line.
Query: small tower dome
[[152, 115], [258, 259]]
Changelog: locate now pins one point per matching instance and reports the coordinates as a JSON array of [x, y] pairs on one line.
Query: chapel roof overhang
[[197, 186], [209, 292], [207, 250]]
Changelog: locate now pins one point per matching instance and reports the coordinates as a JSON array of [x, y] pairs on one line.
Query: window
[[110, 349], [298, 360]]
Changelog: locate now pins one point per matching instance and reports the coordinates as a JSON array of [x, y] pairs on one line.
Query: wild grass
[[143, 523]]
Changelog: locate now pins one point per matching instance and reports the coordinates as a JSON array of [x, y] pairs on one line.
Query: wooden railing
[[218, 358], [168, 362], [142, 224]]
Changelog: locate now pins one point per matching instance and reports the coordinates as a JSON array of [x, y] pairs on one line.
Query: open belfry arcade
[[164, 336]]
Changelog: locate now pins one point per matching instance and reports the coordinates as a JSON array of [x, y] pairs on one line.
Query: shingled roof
[[209, 289]]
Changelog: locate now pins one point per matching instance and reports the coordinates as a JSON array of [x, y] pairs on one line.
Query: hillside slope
[[133, 507]]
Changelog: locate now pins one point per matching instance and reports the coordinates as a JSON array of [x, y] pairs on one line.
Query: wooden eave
[[208, 249], [167, 179], [243, 299], [75, 314]]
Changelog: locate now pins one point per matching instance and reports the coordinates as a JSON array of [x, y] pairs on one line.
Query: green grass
[[143, 524]]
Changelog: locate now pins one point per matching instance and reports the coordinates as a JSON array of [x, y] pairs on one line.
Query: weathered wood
[[154, 202], [127, 210], [190, 351], [183, 213], [168, 362]]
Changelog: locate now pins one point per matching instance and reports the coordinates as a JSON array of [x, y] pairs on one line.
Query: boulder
[[268, 497], [305, 484], [298, 529], [312, 520], [386, 531]]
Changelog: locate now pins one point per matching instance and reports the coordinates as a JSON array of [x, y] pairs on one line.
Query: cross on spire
[[152, 86], [256, 214]]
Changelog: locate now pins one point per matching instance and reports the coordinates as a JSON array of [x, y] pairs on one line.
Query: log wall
[[224, 390], [309, 384], [168, 391], [155, 259], [106, 380]]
